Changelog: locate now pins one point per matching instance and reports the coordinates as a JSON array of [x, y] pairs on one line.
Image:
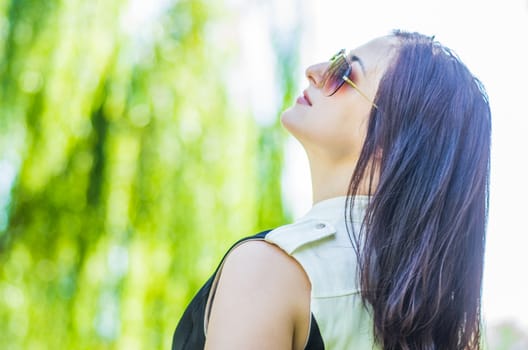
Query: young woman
[[397, 133]]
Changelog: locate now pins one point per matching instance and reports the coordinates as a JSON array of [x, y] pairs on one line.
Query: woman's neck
[[332, 179]]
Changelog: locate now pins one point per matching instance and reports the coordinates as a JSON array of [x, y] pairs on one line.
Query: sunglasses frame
[[335, 60]]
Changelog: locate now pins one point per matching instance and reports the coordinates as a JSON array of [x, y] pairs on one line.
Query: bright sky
[[491, 37]]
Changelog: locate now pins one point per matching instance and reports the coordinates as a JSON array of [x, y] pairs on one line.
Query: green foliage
[[505, 336], [132, 170]]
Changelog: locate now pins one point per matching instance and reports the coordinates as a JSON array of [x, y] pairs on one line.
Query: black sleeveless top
[[189, 333]]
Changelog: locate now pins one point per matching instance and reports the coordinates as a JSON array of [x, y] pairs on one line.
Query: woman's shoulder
[[262, 292], [251, 258]]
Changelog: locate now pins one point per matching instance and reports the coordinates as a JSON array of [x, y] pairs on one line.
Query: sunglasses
[[337, 74]]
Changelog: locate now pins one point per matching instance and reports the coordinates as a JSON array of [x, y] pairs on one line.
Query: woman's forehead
[[376, 52]]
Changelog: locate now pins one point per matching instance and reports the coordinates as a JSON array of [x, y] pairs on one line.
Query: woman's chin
[[289, 118]]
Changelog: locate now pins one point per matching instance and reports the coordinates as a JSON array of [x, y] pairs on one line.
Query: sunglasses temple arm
[[351, 83]]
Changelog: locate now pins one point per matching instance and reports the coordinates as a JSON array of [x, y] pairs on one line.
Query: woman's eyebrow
[[358, 60]]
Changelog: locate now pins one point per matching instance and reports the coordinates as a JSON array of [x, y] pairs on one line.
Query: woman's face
[[334, 127]]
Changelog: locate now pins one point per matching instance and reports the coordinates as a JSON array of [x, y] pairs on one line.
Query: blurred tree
[[126, 169], [506, 335]]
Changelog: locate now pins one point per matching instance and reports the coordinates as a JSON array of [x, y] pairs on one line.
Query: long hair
[[421, 247]]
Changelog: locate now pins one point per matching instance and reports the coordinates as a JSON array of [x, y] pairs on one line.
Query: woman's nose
[[315, 73]]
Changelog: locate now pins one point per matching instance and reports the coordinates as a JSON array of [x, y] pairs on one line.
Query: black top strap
[[189, 333]]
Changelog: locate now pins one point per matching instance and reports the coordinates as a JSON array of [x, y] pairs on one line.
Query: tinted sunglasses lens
[[333, 77]]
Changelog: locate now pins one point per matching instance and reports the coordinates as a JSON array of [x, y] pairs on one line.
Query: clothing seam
[[356, 292]]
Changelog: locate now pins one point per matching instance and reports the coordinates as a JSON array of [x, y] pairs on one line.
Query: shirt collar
[[333, 209]]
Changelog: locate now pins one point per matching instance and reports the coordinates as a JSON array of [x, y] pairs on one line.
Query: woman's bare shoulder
[[262, 300]]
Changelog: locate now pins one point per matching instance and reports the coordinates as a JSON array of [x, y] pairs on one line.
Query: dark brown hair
[[421, 247]]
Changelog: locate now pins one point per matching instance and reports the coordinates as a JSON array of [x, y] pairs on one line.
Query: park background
[[140, 138]]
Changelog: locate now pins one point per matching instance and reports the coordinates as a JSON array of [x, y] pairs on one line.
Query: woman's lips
[[304, 99]]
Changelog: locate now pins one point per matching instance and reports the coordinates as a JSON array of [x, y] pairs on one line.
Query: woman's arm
[[262, 301]]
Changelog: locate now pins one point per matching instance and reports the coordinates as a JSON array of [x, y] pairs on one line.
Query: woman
[[397, 133]]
